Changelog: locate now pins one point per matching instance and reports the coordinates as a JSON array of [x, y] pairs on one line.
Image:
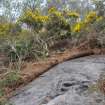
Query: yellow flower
[[99, 18], [42, 19], [91, 17], [73, 14], [58, 14], [51, 10], [78, 27]]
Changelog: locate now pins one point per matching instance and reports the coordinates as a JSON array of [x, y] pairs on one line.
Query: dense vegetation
[[36, 30]]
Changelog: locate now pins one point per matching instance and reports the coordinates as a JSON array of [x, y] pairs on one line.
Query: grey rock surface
[[65, 84]]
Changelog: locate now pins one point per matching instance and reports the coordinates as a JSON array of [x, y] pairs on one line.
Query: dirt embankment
[[33, 70]]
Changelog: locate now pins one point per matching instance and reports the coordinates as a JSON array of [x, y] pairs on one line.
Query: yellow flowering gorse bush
[[91, 17], [100, 18], [57, 20], [34, 18], [7, 29], [4, 28]]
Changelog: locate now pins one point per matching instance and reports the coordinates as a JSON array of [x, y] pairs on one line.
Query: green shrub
[[4, 102], [7, 29], [9, 79], [99, 25], [30, 47]]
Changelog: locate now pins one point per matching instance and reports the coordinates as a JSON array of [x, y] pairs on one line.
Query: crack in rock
[[64, 83]]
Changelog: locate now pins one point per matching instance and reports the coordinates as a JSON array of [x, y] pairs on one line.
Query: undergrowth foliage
[[34, 32]]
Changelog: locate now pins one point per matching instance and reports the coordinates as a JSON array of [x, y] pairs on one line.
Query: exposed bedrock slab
[[65, 84]]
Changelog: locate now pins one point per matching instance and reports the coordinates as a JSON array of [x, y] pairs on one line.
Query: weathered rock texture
[[66, 84]]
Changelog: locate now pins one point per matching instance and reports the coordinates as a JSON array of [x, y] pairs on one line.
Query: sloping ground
[[65, 84], [32, 70]]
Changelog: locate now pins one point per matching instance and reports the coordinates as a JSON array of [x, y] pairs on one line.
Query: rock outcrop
[[65, 84]]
